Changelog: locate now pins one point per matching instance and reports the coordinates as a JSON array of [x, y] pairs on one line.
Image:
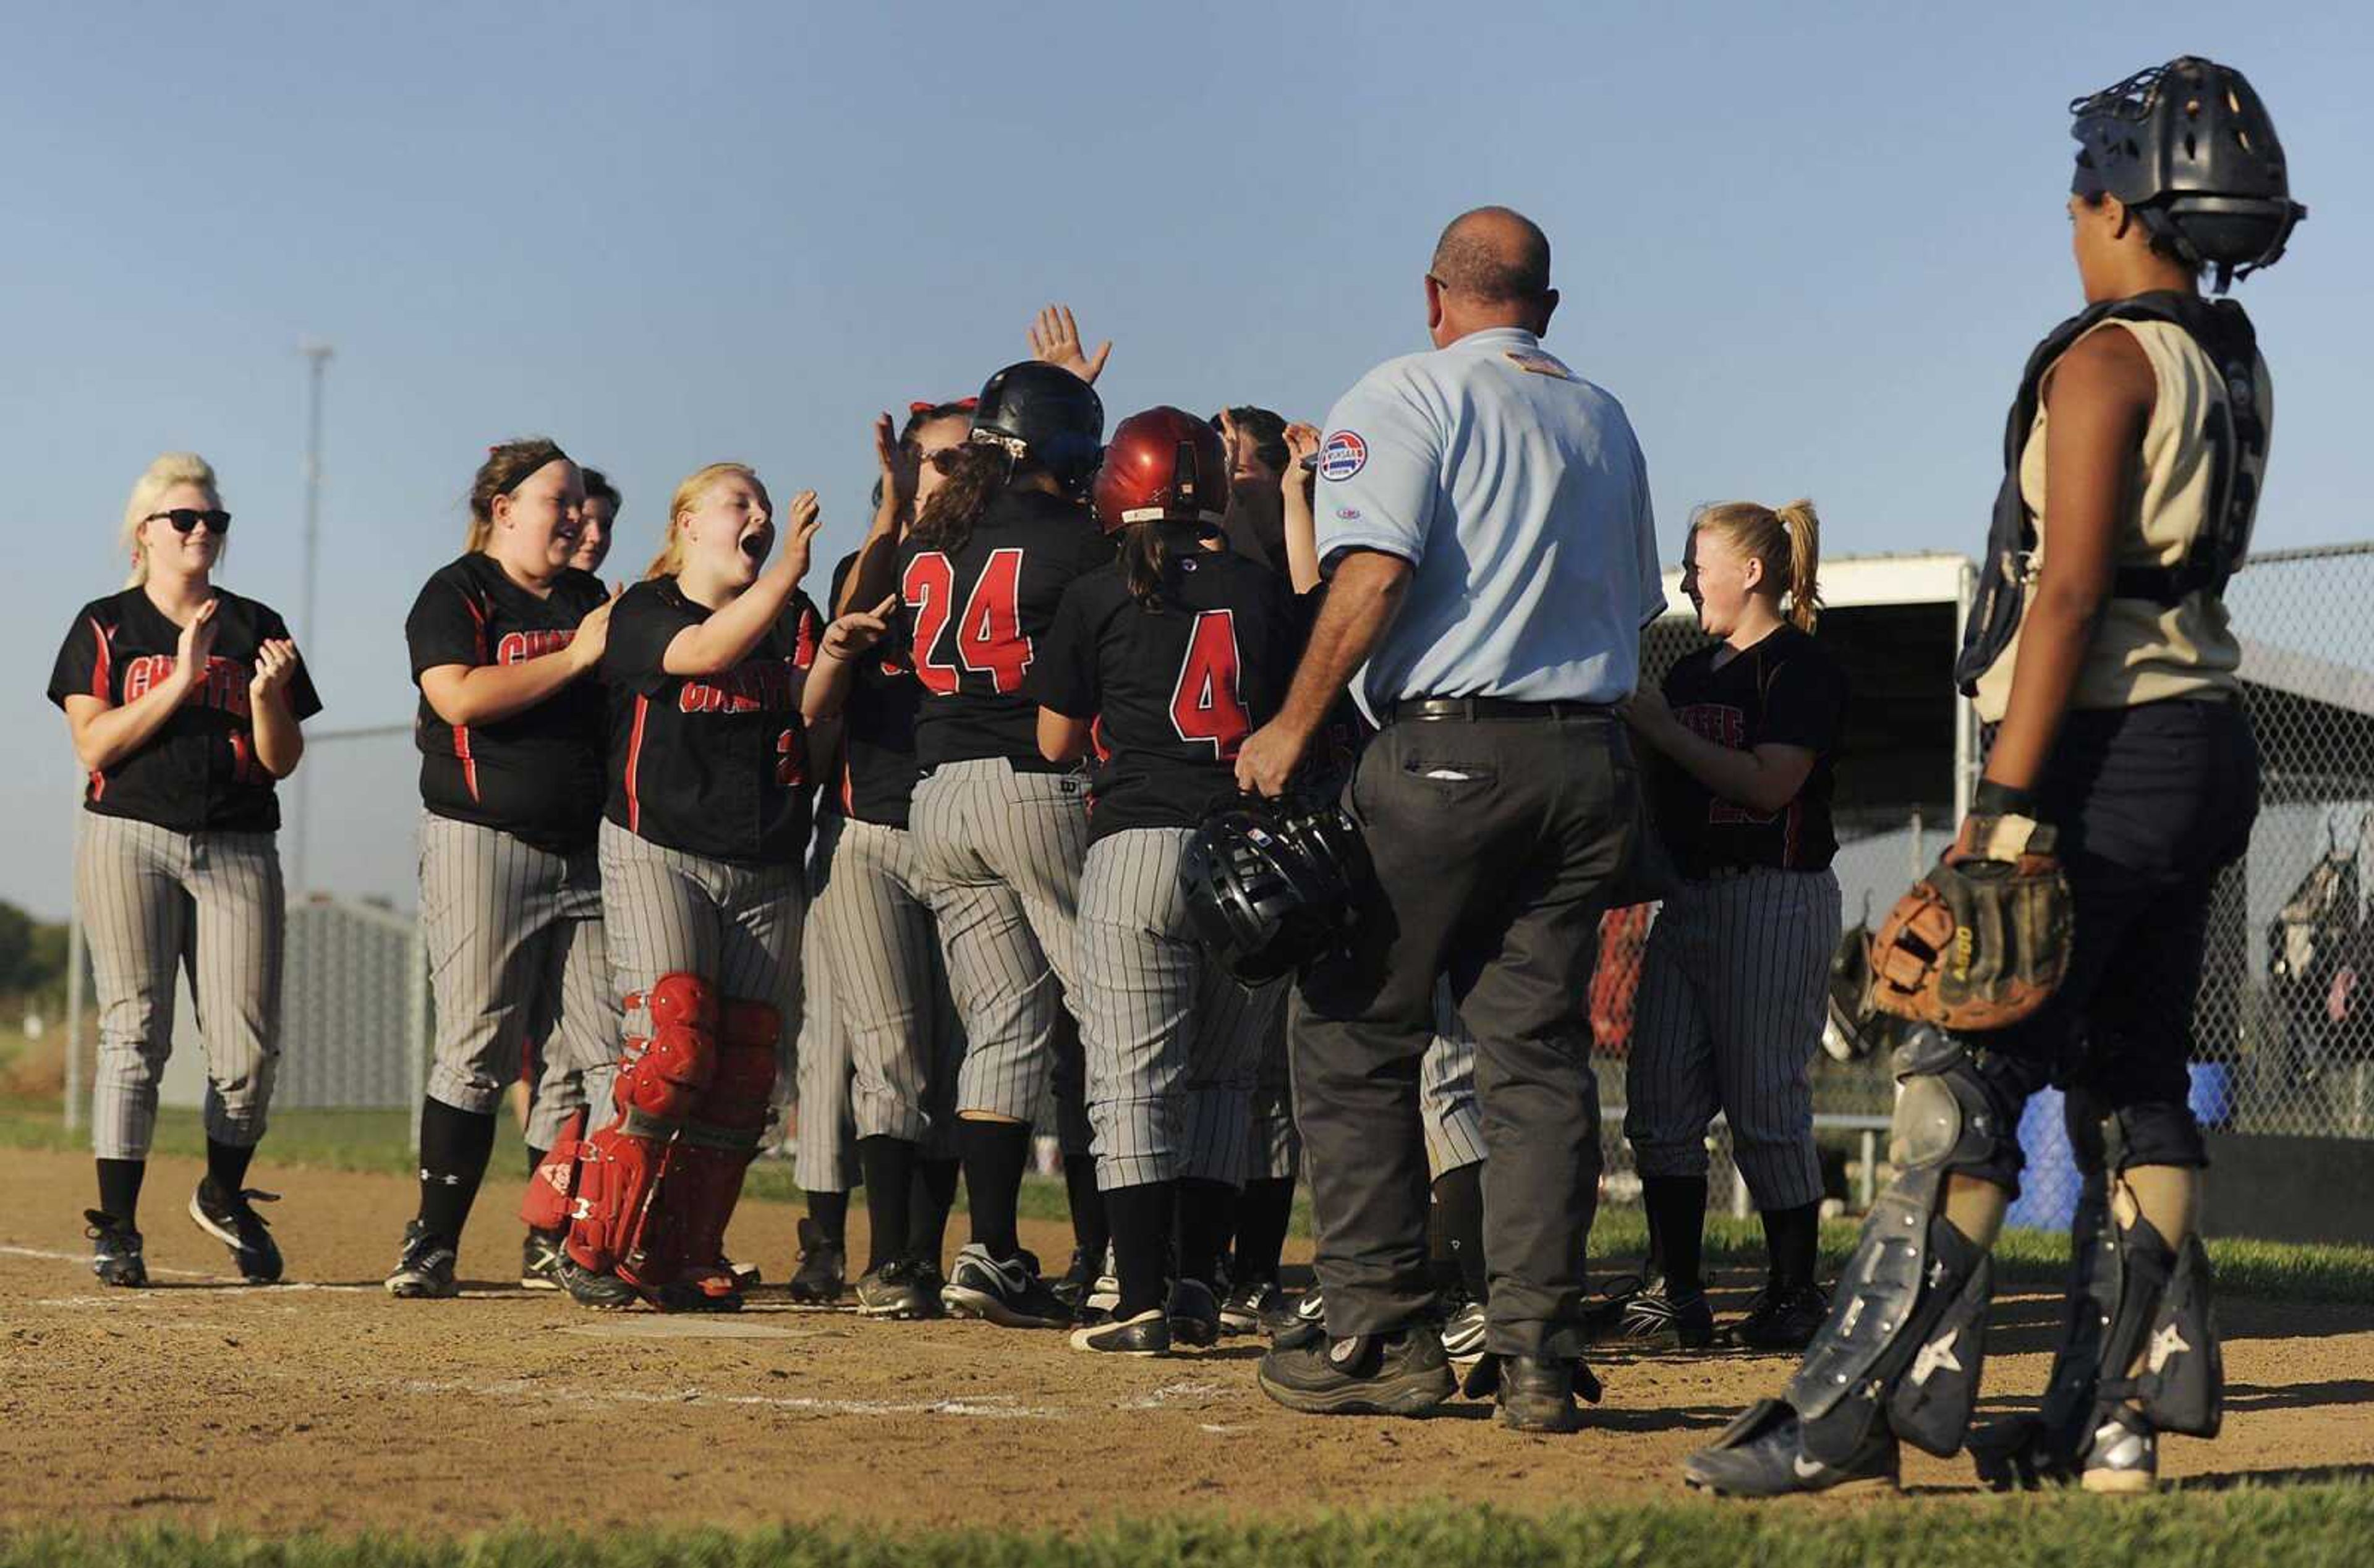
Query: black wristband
[[2002, 799]]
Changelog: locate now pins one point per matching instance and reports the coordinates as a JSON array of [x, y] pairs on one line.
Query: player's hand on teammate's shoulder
[[1055, 340], [593, 633], [276, 664], [852, 634]]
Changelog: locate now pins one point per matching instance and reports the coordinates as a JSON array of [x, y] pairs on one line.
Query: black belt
[[1423, 708]]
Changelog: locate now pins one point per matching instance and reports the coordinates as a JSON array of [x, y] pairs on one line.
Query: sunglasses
[[185, 519]]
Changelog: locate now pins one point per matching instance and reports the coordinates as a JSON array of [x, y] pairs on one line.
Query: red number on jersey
[[989, 635], [1206, 704], [930, 583]]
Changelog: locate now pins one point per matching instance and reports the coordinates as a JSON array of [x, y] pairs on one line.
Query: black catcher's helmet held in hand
[[1164, 465], [2191, 148], [1269, 885], [1044, 414]]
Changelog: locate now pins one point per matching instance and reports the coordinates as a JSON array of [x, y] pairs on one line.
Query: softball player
[[504, 642], [1733, 986], [1000, 832], [2100, 650], [597, 522], [1173, 653], [890, 1062], [702, 900], [184, 702]]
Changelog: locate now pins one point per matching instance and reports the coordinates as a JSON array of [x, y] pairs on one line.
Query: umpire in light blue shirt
[[1484, 524]]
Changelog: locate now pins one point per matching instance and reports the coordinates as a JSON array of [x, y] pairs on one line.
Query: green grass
[[2264, 1526], [378, 1140]]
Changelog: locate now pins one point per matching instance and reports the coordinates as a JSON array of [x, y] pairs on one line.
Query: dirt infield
[[326, 1405]]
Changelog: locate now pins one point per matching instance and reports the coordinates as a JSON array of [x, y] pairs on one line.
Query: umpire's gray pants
[[1000, 851], [1446, 1100], [513, 935], [1495, 842], [1733, 994], [1171, 1040], [207, 904], [664, 911]]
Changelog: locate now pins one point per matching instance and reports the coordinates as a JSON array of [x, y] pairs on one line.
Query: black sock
[[1203, 1208], [1141, 1243], [931, 1197], [119, 1188], [995, 1153], [1091, 1230], [1676, 1207], [1264, 1210], [535, 1158], [830, 1213], [226, 1165], [890, 1165], [1459, 1213], [1791, 1239], [455, 1146]]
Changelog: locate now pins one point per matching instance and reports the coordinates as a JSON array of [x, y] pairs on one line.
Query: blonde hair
[[670, 560], [508, 466], [1788, 541], [169, 470]]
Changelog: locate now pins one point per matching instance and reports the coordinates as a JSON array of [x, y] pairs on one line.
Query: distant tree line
[[32, 955]]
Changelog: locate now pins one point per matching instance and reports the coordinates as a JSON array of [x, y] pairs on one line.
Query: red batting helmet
[[1164, 465]]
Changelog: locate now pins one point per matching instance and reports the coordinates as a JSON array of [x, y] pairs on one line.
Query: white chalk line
[[994, 1407]]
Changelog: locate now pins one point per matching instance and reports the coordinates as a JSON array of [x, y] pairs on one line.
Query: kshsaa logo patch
[[1343, 455]]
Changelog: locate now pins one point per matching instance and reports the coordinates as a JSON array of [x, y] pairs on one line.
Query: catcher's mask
[[1269, 884]]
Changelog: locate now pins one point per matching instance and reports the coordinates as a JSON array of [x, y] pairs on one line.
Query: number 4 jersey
[[1174, 692], [974, 619]]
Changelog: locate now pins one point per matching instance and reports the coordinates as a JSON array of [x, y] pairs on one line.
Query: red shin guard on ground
[[704, 1180], [552, 1187], [622, 1168]]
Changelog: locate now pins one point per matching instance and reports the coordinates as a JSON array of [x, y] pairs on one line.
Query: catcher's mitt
[[1983, 941]]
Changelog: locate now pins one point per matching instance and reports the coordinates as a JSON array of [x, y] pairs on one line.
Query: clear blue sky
[[1806, 245]]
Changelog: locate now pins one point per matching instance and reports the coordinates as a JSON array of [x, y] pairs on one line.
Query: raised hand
[[1301, 441], [897, 471], [1055, 340], [804, 520]]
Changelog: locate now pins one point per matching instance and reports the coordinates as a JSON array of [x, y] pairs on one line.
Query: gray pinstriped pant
[[1446, 1100], [665, 911], [878, 952], [210, 904], [1000, 854], [513, 935], [1732, 999], [1171, 1040]]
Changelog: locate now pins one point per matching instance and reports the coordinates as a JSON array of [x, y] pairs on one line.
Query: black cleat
[[1194, 1313], [824, 1261], [540, 1260], [1782, 1319], [1250, 1305], [1009, 1293], [115, 1252], [1762, 1455], [1147, 1334], [425, 1272], [232, 1220], [602, 1292], [903, 1291]]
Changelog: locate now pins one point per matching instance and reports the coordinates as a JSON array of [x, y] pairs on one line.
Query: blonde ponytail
[[1788, 543]]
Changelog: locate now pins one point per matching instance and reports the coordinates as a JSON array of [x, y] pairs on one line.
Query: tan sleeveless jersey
[[2145, 651]]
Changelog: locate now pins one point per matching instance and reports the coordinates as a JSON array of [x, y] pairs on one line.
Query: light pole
[[317, 360]]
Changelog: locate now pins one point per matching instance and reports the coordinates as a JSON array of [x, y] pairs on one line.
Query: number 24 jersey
[[974, 619], [1174, 692]]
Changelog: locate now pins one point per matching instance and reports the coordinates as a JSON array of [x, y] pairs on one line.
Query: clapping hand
[[1055, 340]]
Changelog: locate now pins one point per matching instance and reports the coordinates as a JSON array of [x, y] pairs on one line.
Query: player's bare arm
[[488, 694], [1363, 598], [2099, 399], [1302, 526], [723, 641], [877, 554], [1763, 779], [1062, 738], [279, 738], [105, 734], [849, 639]]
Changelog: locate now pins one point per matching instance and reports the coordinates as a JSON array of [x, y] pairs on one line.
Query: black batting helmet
[[2191, 148], [1047, 415], [1269, 886]]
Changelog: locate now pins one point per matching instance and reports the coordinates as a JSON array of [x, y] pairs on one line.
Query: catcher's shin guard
[[623, 1167], [2044, 1446], [1906, 1334], [719, 1143], [552, 1186], [2160, 1350]]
